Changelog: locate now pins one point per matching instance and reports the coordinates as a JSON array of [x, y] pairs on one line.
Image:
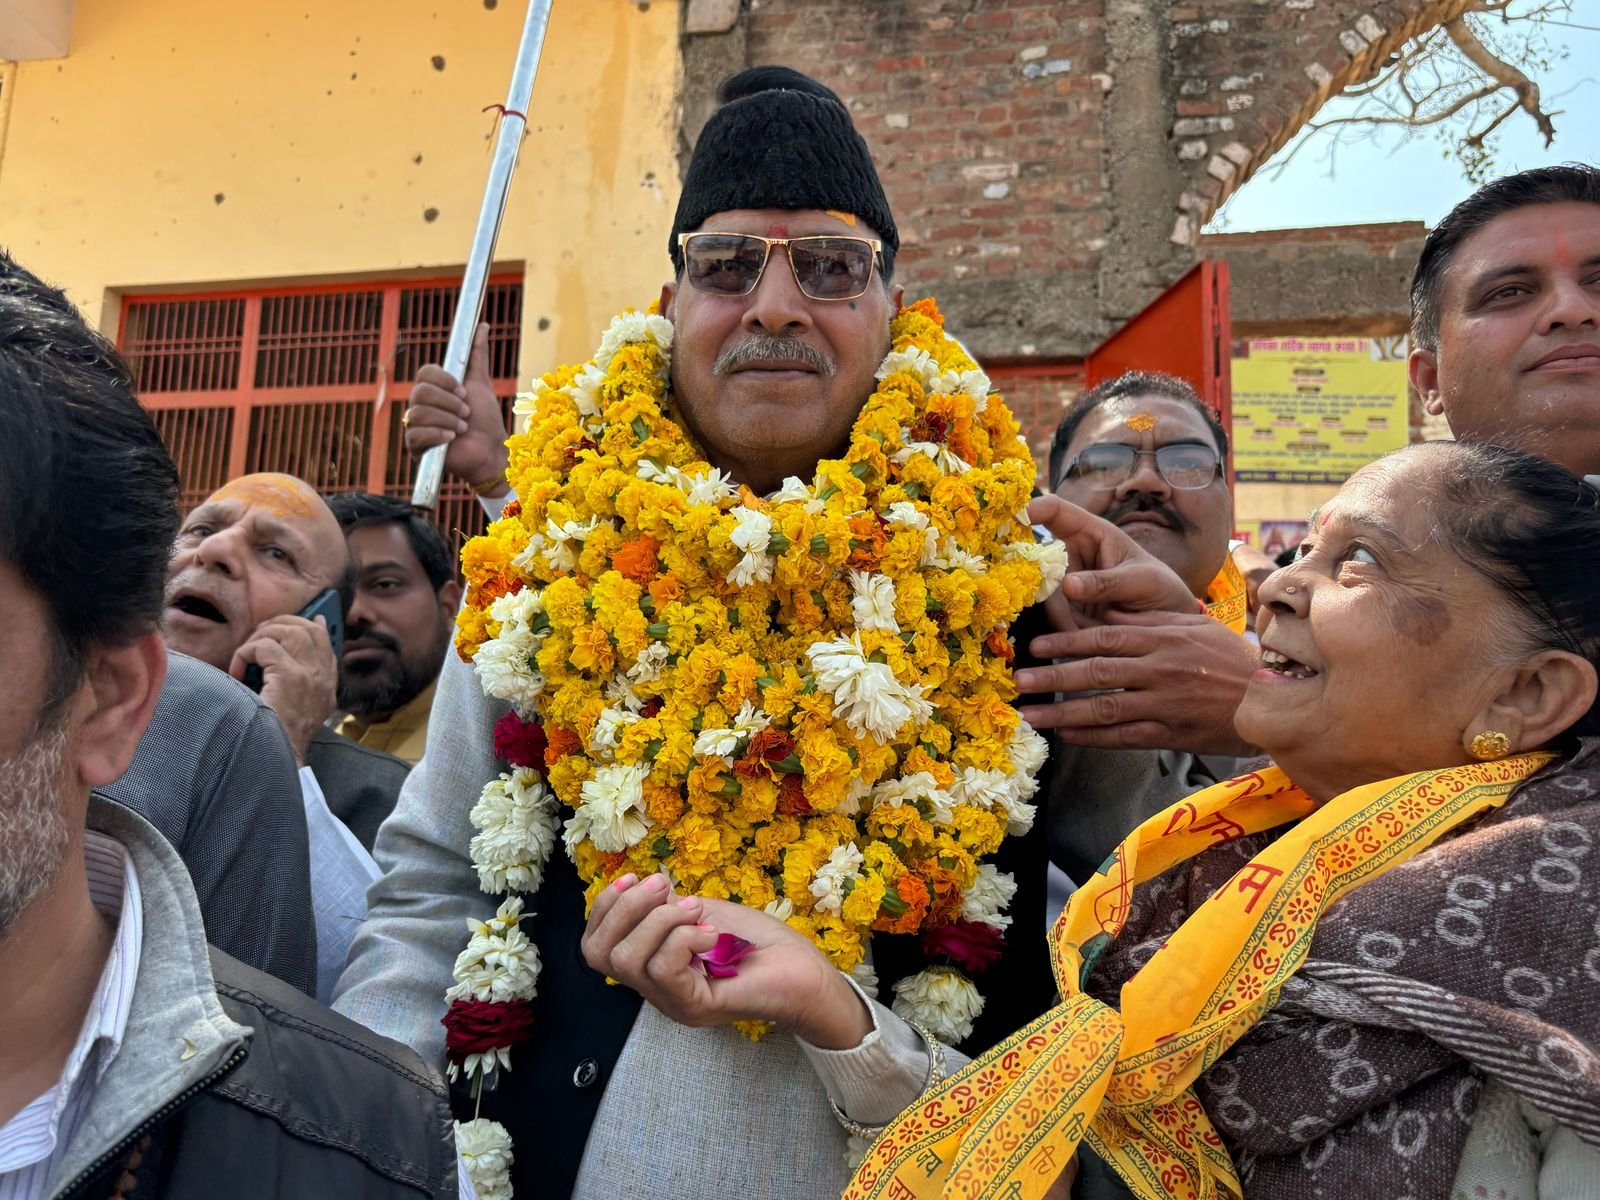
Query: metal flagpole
[[513, 121]]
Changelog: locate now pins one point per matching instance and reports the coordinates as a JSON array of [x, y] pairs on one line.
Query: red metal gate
[[309, 381]]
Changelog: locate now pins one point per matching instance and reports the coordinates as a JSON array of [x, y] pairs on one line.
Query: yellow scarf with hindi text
[[1227, 598], [1007, 1124]]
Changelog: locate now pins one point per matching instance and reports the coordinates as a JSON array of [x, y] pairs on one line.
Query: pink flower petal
[[722, 960]]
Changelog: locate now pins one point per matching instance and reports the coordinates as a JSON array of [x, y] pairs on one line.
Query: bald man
[[256, 552], [244, 564]]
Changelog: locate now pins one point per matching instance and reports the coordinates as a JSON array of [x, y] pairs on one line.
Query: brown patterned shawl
[[1479, 957]]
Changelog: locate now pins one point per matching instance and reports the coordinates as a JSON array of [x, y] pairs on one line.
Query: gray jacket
[[214, 773], [197, 1102]]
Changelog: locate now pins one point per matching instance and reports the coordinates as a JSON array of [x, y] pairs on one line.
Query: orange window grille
[[310, 381]]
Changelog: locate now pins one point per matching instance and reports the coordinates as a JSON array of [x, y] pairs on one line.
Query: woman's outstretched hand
[[642, 935]]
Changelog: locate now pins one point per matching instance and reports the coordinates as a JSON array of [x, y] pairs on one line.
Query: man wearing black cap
[[776, 342]]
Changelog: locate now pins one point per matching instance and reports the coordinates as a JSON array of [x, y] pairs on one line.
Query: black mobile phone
[[324, 604]]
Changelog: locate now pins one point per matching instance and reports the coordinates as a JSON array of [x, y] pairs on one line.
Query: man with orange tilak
[[246, 562]]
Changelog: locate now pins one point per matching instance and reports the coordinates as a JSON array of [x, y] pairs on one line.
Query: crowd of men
[[191, 869]]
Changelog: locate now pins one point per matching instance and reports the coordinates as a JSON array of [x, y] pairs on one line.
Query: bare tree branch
[[1504, 74]]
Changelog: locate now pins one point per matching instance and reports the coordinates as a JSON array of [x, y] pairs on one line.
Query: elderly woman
[[1373, 968]]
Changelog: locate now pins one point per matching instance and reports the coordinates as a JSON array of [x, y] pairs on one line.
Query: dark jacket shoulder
[[359, 783], [333, 1085]]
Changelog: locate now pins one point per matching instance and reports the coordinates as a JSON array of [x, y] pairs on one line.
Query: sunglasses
[[1187, 466], [825, 268]]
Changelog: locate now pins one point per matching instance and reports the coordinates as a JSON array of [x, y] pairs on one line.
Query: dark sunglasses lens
[[831, 268], [1105, 466], [1187, 466], [723, 264]]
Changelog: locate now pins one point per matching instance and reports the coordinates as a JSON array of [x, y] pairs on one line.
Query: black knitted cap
[[782, 140]]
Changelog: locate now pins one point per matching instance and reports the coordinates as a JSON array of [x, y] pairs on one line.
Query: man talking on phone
[[246, 589]]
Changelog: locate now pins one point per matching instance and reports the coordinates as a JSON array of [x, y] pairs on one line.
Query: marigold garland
[[800, 702]]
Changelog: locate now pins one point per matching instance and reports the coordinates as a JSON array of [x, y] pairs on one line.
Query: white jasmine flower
[[866, 694], [485, 1150], [711, 488], [726, 743], [527, 402], [912, 361], [559, 553], [792, 489], [619, 690], [521, 608], [611, 812], [952, 557], [500, 963], [516, 823], [506, 670], [1051, 559], [946, 459], [972, 383], [608, 729], [828, 885], [988, 898], [633, 327], [1027, 751], [907, 514], [752, 531], [873, 603], [647, 667], [919, 786], [981, 789], [585, 391], [941, 999]]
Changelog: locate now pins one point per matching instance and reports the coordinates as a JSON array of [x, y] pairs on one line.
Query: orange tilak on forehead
[[848, 218], [1140, 422], [280, 495]]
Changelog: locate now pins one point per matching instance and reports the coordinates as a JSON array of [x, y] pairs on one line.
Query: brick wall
[[985, 123], [1051, 162]]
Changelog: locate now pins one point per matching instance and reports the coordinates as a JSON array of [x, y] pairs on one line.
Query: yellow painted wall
[[186, 144]]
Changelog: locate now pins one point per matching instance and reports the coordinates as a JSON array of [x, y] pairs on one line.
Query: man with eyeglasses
[[1143, 695], [780, 303]]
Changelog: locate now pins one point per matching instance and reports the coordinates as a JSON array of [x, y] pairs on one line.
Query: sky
[[1390, 178]]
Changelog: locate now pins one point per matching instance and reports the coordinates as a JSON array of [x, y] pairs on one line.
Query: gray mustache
[[764, 348]]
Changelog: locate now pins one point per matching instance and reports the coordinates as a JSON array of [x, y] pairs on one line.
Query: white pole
[[513, 121]]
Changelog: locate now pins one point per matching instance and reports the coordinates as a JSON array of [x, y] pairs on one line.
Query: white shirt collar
[[114, 891]]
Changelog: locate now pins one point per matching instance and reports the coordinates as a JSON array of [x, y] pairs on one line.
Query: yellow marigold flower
[[682, 632], [740, 673], [772, 840], [862, 904], [903, 823], [473, 628], [696, 844], [706, 784], [918, 759], [563, 602], [954, 592], [664, 804], [756, 803], [592, 650], [566, 777], [980, 831]]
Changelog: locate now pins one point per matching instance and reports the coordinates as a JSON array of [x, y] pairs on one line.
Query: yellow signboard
[[1314, 410]]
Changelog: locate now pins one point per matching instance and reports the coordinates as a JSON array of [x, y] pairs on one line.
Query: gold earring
[[1489, 745]]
